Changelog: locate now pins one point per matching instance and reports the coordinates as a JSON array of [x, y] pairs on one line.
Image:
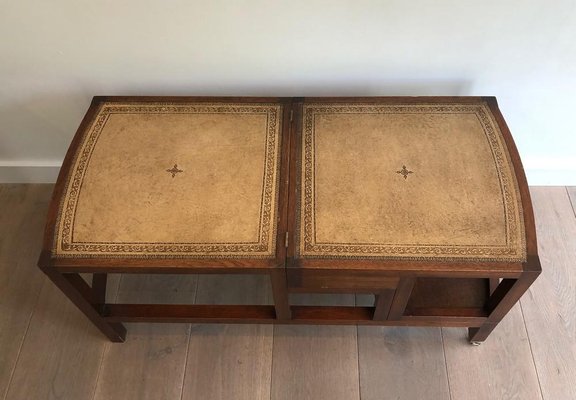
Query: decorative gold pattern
[[404, 172], [174, 170], [64, 244], [309, 247]]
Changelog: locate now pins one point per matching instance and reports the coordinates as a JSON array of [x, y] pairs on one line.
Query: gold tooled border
[[515, 250], [63, 246]]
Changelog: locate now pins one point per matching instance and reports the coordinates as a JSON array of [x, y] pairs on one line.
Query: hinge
[[286, 240], [291, 115]]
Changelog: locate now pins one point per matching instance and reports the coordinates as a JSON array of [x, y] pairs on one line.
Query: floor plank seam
[[358, 355], [188, 343], [23, 340], [186, 358], [358, 359], [272, 364], [570, 200], [531, 351], [106, 345], [100, 366], [446, 364]]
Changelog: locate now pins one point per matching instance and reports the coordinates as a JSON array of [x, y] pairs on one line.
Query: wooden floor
[[48, 350]]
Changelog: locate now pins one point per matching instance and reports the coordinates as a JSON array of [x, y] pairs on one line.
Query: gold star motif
[[404, 172], [174, 170]]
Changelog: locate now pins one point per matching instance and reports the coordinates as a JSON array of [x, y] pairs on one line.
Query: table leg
[[504, 297], [382, 304], [280, 293], [99, 282], [401, 297], [88, 300]]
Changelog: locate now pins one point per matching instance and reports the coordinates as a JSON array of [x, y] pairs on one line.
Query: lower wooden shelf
[[449, 297], [302, 315]]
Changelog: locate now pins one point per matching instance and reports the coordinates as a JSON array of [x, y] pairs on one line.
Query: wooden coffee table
[[422, 202]]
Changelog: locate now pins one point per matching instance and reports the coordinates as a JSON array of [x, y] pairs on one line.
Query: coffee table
[[420, 201]]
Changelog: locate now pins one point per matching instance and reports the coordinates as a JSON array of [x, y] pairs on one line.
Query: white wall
[[55, 55]]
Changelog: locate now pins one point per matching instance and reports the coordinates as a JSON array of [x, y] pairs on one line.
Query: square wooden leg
[[99, 282], [401, 297], [88, 300], [280, 293], [503, 298], [382, 304]]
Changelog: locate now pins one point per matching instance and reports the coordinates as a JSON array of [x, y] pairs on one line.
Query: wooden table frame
[[392, 282]]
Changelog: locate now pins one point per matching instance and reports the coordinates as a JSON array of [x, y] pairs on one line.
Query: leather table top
[[174, 180], [383, 181], [407, 181]]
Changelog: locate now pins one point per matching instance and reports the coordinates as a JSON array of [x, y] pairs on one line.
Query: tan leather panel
[[407, 182], [174, 180]]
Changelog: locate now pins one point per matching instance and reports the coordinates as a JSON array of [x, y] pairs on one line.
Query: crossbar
[[264, 314]]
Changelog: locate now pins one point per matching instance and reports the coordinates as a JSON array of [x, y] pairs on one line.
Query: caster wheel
[[473, 343]]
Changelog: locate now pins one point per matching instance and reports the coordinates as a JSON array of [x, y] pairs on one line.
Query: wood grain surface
[[62, 351], [500, 368], [22, 214], [549, 306], [316, 362], [572, 195], [400, 363], [230, 361], [151, 363]]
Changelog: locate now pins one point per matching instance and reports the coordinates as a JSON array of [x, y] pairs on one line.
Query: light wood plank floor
[[48, 350]]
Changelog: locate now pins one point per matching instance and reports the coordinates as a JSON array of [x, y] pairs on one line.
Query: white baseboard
[[551, 177], [550, 171], [18, 172], [47, 173]]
